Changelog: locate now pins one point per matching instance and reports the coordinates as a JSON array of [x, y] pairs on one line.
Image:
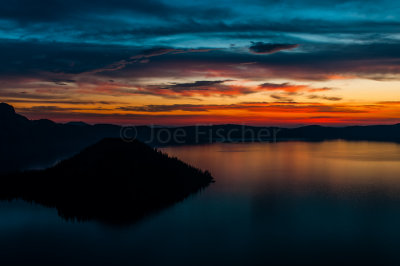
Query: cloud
[[144, 58], [49, 61], [50, 108], [282, 98], [267, 107], [320, 89], [288, 87], [69, 102], [225, 88], [197, 85], [389, 102], [84, 12], [203, 88], [63, 82], [165, 108], [270, 48], [154, 52], [328, 98]]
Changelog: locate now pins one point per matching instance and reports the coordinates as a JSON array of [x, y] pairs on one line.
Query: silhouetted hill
[[9, 120], [112, 181], [77, 123], [26, 144]]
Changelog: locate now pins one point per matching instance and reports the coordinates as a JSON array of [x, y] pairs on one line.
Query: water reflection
[[334, 166], [333, 199], [294, 203]]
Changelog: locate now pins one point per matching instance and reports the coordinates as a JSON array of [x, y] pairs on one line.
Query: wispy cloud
[[270, 48], [144, 58], [328, 98]]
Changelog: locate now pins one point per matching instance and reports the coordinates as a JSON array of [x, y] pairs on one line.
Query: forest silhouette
[[113, 181]]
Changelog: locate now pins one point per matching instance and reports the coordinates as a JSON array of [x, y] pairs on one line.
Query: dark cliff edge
[[34, 144], [113, 181]]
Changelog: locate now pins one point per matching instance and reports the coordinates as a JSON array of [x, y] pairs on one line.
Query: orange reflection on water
[[334, 167]]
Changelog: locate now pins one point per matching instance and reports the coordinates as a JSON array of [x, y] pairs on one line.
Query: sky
[[176, 62]]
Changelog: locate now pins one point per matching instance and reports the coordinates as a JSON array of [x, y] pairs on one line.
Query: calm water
[[293, 202]]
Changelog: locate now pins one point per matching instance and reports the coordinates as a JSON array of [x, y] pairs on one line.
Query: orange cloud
[[291, 88]]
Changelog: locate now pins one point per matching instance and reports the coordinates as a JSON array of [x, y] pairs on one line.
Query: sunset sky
[[177, 62]]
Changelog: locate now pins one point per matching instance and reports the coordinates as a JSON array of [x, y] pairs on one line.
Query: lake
[[272, 203]]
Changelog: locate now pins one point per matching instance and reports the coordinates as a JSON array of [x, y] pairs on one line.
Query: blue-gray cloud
[[59, 41], [270, 48]]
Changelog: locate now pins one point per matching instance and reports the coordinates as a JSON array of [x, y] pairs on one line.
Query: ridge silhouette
[[29, 144]]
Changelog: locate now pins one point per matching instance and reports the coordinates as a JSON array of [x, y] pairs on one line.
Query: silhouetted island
[[112, 181]]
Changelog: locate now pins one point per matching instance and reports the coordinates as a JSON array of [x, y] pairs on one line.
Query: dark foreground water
[[273, 203]]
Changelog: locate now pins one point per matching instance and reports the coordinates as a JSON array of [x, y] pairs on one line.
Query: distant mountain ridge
[[26, 144]]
